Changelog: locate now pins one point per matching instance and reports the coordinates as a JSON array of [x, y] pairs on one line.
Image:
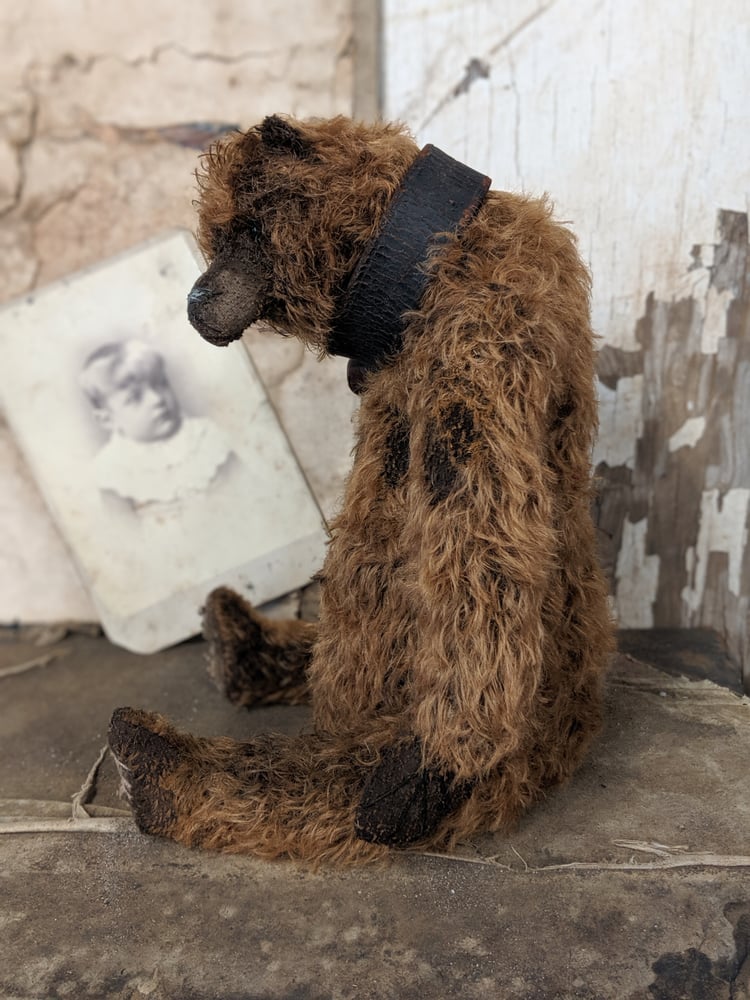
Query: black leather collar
[[438, 195]]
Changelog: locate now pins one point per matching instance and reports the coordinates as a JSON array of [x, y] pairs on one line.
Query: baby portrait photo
[[160, 458], [155, 454]]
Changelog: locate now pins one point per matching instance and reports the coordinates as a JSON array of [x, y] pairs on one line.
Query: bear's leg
[[310, 797], [269, 796], [253, 659]]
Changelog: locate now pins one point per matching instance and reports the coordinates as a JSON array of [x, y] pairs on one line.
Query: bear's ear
[[277, 133]]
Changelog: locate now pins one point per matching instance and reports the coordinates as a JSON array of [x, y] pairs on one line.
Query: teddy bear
[[455, 673]]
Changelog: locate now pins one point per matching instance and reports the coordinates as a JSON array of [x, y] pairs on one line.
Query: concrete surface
[[634, 881]]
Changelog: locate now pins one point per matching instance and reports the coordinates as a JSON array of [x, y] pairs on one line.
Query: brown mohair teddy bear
[[455, 672]]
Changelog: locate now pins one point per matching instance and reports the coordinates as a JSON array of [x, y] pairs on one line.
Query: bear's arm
[[487, 546]]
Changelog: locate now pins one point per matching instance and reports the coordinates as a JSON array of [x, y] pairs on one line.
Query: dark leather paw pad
[[402, 802]]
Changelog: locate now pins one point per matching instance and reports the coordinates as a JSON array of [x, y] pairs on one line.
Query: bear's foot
[[402, 802], [147, 752], [252, 659], [306, 797]]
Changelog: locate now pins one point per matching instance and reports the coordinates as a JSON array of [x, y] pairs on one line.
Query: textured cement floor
[[634, 881]]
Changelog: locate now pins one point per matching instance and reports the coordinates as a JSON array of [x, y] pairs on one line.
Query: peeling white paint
[[689, 434], [694, 285], [637, 578], [620, 422], [714, 319], [721, 530], [712, 305]]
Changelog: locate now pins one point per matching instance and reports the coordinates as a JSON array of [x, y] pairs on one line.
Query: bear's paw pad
[[402, 802]]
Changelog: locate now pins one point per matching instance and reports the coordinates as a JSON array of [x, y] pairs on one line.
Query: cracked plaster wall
[[102, 108], [634, 118]]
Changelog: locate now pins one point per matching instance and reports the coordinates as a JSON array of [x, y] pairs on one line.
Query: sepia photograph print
[[159, 456]]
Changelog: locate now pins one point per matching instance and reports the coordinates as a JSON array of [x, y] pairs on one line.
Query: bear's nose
[[198, 295]]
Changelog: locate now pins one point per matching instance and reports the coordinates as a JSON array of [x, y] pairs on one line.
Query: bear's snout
[[222, 304], [198, 297]]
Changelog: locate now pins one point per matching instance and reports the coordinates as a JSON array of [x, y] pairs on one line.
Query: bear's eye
[[219, 238], [243, 230], [252, 228], [239, 232]]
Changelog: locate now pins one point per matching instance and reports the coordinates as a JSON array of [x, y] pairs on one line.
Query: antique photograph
[[159, 455]]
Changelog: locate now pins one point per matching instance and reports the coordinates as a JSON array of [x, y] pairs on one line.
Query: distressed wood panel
[[675, 515]]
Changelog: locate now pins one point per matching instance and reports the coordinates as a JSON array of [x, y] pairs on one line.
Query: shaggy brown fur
[[455, 673]]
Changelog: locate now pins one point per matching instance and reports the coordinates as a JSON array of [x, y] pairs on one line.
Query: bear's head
[[285, 211]]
